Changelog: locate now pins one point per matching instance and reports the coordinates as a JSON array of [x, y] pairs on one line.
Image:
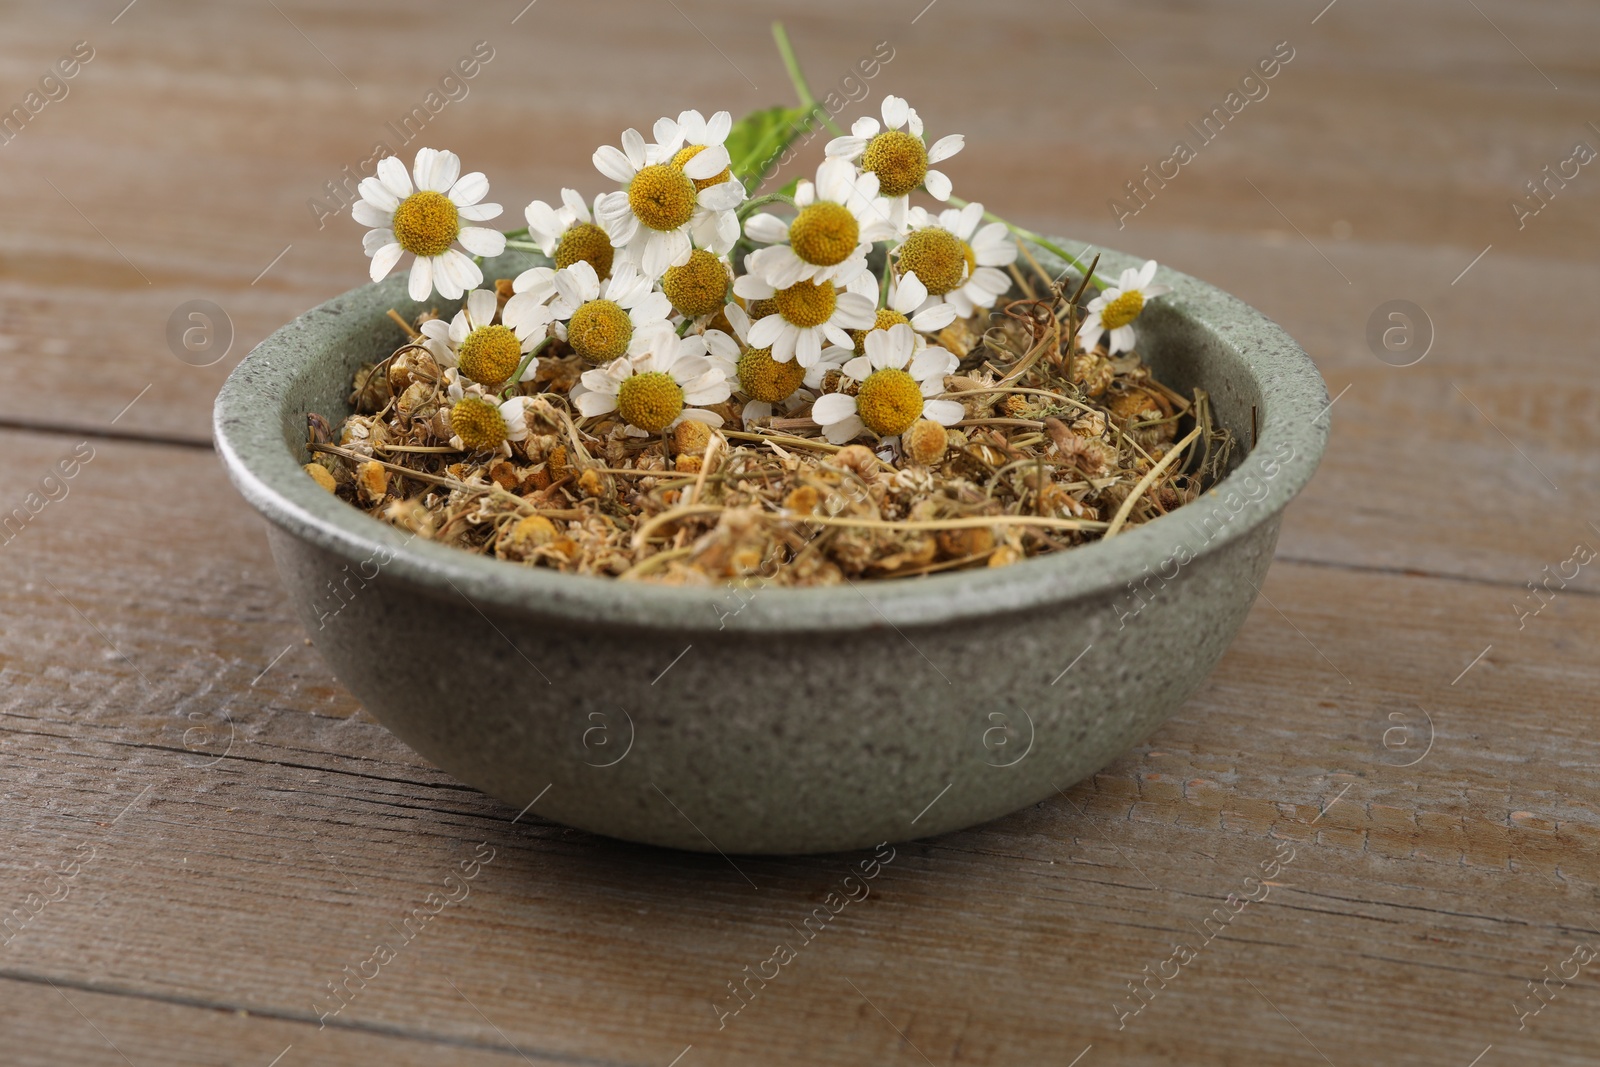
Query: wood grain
[[238, 831]]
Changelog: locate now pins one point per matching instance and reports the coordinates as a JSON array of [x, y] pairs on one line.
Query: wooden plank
[[250, 881]]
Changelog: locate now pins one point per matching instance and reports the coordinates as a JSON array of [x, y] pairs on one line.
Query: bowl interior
[[1263, 389]]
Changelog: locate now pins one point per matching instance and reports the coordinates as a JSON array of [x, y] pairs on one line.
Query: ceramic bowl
[[777, 720]]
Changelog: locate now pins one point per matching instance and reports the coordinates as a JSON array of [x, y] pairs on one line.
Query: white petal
[[764, 332], [944, 412], [865, 127], [933, 363], [858, 368], [717, 128], [831, 407], [421, 284], [755, 409], [383, 261], [933, 319], [669, 138], [610, 161], [839, 338], [596, 403], [442, 175], [845, 430], [479, 212], [373, 240], [752, 287], [854, 312], [909, 294], [376, 193], [846, 147], [392, 173], [469, 189], [481, 306], [763, 228], [369, 214], [707, 163], [945, 147], [1147, 273], [481, 241], [938, 185], [710, 418], [783, 347], [445, 280], [724, 196], [634, 148], [808, 347], [894, 112], [1152, 291]]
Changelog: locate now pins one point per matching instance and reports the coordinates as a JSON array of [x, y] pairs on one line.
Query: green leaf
[[760, 136]]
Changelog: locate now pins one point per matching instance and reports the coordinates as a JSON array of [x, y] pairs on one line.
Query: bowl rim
[[248, 418]]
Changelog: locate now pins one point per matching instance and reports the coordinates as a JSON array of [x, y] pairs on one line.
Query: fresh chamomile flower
[[753, 372], [957, 261], [898, 157], [660, 214], [601, 320], [659, 387], [427, 222], [838, 217], [897, 384], [481, 349], [807, 313], [569, 233], [906, 295], [698, 286], [1113, 311]]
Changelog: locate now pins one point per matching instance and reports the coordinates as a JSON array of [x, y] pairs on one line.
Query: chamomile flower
[[753, 372], [838, 217], [661, 212], [427, 222], [899, 157], [807, 313], [569, 233], [897, 384], [479, 424], [1113, 311], [481, 349], [956, 260], [601, 320], [906, 296], [659, 387]]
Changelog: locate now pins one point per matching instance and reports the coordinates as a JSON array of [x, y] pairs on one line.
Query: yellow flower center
[[425, 223], [941, 260], [650, 400], [478, 423], [889, 401], [824, 233], [589, 243], [685, 154], [806, 304], [599, 331], [662, 196], [887, 317], [760, 309], [1123, 310], [490, 355], [699, 286], [899, 159], [763, 378]]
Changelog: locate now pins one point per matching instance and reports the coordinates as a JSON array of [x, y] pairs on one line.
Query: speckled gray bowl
[[782, 721]]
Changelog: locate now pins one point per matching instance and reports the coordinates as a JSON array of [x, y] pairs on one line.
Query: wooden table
[[203, 831]]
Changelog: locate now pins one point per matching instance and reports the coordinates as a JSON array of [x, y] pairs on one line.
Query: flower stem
[[797, 76], [745, 209], [521, 246], [1042, 242], [516, 376]]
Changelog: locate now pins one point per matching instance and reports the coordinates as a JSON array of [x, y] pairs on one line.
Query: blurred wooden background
[[202, 829]]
